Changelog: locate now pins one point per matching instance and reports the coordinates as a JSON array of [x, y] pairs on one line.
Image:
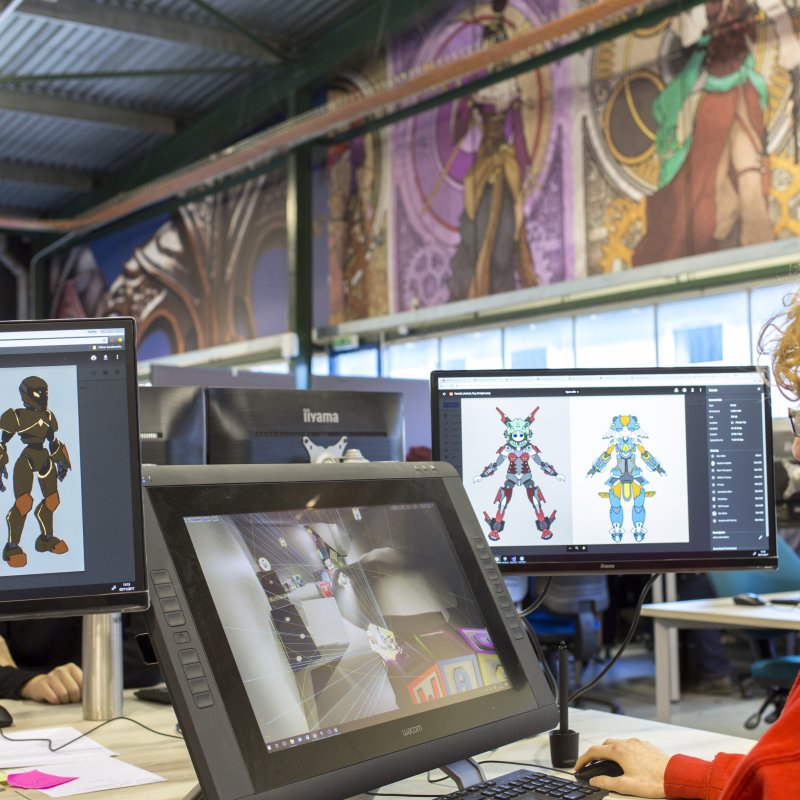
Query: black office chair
[[572, 612]]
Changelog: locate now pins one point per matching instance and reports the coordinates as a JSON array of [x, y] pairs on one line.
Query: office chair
[[571, 612], [773, 672], [776, 676]]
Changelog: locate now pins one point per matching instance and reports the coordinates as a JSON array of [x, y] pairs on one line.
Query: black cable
[[539, 651], [88, 733], [625, 642], [539, 600]]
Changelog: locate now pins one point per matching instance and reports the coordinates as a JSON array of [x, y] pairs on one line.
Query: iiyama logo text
[[412, 730], [319, 416]]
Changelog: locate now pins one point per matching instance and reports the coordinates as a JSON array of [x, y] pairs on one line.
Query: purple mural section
[[481, 183]]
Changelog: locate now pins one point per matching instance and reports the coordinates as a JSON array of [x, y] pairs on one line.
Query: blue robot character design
[[626, 481], [520, 452]]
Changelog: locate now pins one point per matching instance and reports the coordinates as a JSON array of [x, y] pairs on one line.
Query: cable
[[88, 733], [539, 600], [625, 642], [539, 651]]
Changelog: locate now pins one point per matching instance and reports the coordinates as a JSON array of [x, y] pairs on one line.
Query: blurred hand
[[643, 765], [63, 684], [561, 478], [477, 479]]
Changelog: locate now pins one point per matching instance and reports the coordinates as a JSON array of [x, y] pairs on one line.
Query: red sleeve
[[766, 773], [688, 777]]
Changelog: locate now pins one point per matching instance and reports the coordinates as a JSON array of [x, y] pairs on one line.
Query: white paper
[[21, 752], [95, 775]]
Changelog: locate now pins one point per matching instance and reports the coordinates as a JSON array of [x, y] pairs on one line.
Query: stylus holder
[[102, 666], [563, 748]]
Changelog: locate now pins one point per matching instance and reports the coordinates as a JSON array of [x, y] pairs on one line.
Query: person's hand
[[643, 765], [61, 685]]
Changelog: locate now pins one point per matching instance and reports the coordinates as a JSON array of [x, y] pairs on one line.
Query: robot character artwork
[[35, 425], [626, 481], [520, 451]]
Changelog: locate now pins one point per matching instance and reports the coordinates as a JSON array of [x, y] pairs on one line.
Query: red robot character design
[[35, 425], [520, 451]]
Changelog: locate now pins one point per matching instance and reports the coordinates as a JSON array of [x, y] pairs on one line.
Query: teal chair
[[784, 579], [775, 674]]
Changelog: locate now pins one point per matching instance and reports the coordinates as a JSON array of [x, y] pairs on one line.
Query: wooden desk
[[718, 612], [169, 758]]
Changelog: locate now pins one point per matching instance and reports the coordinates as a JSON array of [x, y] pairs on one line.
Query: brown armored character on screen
[[35, 425]]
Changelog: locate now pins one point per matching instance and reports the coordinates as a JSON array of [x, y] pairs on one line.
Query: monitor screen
[[332, 627], [286, 426], [172, 424], [647, 470], [69, 468]]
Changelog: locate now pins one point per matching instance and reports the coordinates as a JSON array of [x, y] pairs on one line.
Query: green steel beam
[[247, 32], [363, 30], [299, 238], [137, 73]]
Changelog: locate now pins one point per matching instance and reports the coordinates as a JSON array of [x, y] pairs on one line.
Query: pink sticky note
[[34, 779]]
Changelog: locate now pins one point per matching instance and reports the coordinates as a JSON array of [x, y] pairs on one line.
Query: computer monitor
[[285, 426], [328, 628], [69, 450], [172, 424], [612, 470]]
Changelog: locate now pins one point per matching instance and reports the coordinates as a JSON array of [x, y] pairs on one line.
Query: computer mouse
[[749, 599], [5, 717], [604, 766]]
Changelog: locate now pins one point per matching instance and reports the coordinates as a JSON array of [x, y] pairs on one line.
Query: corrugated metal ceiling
[[88, 87]]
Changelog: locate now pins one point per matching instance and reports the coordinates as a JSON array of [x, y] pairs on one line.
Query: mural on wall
[[211, 274], [690, 144], [670, 141], [358, 211], [480, 182]]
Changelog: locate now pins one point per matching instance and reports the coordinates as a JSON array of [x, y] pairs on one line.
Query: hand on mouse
[[643, 765], [61, 685]]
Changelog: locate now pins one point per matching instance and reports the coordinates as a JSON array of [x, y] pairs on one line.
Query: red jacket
[[770, 771]]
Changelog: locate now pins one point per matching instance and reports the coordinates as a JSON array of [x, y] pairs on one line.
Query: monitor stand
[[101, 659], [465, 773]]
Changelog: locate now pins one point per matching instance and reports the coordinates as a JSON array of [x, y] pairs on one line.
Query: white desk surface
[[717, 612], [169, 758], [722, 611]]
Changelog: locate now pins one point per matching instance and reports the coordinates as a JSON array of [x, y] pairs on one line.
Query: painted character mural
[[519, 451], [493, 252], [36, 426], [626, 482], [714, 179]]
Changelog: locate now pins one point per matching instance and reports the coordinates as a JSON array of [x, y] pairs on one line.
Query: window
[[416, 359], [476, 350], [616, 338], [355, 363], [540, 345], [704, 330]]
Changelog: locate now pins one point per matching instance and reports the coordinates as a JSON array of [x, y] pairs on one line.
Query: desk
[[718, 612], [169, 758]]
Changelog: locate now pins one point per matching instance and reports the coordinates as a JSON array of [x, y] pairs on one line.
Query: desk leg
[[664, 669]]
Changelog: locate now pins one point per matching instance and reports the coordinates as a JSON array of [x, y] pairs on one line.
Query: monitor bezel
[[94, 599], [354, 762], [576, 563]]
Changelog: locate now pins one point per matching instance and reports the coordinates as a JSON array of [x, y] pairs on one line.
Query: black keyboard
[[527, 785]]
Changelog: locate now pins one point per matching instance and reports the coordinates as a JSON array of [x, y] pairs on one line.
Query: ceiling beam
[[86, 112], [16, 172], [364, 31], [150, 26]]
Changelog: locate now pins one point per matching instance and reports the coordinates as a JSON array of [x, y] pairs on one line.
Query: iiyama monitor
[[172, 424], [287, 426], [611, 470], [70, 479], [328, 628]]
